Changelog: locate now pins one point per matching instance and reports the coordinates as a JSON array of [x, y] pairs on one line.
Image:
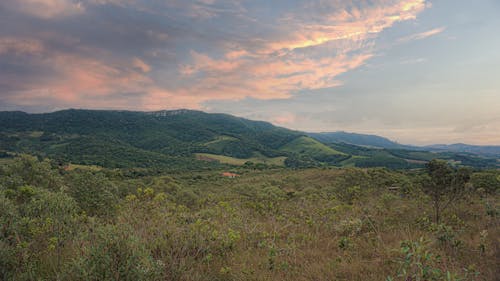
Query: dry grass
[[277, 161], [303, 236]]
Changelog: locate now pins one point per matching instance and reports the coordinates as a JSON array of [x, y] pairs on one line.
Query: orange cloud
[[275, 69], [355, 24]]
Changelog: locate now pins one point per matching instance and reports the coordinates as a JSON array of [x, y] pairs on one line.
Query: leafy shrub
[[111, 253], [28, 170], [95, 194], [9, 216], [420, 264]]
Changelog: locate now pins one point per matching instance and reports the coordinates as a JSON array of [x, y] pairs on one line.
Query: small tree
[[444, 184]]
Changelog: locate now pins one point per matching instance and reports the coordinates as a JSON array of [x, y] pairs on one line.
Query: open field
[[277, 161]]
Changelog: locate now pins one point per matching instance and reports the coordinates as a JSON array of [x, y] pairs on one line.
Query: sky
[[416, 71]]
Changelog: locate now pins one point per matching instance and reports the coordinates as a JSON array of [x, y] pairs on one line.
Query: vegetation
[[306, 146], [116, 195], [96, 223], [357, 139], [444, 185], [174, 140], [256, 159]]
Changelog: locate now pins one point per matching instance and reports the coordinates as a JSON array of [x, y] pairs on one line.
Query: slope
[[357, 139], [128, 139]]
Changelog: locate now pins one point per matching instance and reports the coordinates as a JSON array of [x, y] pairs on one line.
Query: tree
[[444, 184]]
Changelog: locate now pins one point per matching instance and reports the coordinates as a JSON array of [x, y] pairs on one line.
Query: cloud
[[307, 54], [413, 61], [141, 65], [422, 35], [284, 119], [19, 46], [46, 9], [338, 21], [139, 54]]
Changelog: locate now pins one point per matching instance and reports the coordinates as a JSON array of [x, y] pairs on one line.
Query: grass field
[[278, 161], [221, 139], [351, 162], [72, 167], [312, 147]]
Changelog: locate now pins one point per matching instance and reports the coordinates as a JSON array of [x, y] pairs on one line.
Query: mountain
[[485, 150], [127, 138], [188, 139], [375, 141], [358, 139]]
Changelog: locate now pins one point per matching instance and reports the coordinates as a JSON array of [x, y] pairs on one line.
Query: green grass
[[309, 146], [72, 167], [221, 139], [36, 134], [351, 162], [59, 145], [258, 158]]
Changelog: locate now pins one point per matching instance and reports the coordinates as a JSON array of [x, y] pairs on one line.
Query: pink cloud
[[284, 119], [306, 54], [141, 65], [19, 46], [47, 9], [73, 79]]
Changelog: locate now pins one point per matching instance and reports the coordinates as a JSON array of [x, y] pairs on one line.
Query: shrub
[[95, 194], [111, 253]]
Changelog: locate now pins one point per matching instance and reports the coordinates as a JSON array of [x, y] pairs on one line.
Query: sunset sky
[[416, 71]]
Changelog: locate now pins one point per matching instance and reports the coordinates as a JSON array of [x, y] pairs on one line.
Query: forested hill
[[185, 125], [124, 138], [187, 139]]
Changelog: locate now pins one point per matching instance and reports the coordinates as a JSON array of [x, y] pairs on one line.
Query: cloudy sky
[[416, 71]]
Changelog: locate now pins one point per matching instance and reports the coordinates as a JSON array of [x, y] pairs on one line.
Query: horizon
[[321, 132], [417, 72]]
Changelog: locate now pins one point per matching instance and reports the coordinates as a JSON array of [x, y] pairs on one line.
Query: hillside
[[187, 139], [357, 139], [309, 147], [124, 138]]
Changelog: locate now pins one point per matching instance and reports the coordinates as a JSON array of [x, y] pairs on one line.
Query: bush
[[95, 194], [9, 216], [111, 253]]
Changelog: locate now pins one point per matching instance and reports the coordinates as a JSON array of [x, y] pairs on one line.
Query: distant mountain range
[[486, 150], [381, 142], [190, 139]]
